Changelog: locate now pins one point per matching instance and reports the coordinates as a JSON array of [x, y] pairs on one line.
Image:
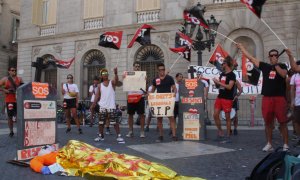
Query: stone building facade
[[9, 25], [71, 28]]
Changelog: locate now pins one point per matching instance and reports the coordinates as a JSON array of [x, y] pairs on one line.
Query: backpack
[[269, 167]]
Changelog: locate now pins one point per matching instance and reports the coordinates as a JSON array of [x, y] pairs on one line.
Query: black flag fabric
[[111, 39], [142, 36], [250, 74], [184, 51], [255, 6], [182, 40]]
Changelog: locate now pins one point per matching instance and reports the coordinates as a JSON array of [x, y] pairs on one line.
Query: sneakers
[[285, 147], [174, 138], [267, 148], [147, 129], [80, 131], [68, 130], [159, 139], [119, 138], [226, 140], [142, 135], [11, 134], [235, 132], [130, 134], [99, 138]]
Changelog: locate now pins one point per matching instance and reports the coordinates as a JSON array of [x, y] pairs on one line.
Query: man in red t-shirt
[[9, 85], [274, 104]]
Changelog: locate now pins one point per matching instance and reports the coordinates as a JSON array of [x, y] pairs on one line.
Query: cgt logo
[[40, 90], [110, 38], [219, 58], [142, 33]]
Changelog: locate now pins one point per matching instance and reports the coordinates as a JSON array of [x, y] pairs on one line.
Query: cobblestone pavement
[[236, 164]]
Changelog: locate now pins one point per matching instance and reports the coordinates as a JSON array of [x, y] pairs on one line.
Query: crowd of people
[[276, 102]]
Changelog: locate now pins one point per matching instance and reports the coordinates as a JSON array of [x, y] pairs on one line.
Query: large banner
[[161, 104], [134, 80], [211, 72]]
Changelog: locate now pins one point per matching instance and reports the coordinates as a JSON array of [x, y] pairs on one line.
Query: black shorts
[[235, 104], [69, 103], [139, 107], [296, 114], [11, 108], [176, 109]]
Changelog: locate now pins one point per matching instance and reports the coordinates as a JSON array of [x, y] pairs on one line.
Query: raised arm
[[293, 64], [248, 55], [116, 78]]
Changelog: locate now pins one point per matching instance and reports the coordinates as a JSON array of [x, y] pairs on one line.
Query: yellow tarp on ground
[[81, 159]]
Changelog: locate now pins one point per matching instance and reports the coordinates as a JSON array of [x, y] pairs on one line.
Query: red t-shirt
[[11, 97]]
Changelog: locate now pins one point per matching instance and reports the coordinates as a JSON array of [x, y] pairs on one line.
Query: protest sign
[[211, 72], [191, 126], [134, 80], [161, 104]]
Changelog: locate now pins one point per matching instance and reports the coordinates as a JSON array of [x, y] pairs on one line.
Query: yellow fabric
[[81, 159]]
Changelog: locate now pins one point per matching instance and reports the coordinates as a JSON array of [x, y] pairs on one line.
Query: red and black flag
[[250, 74], [194, 17], [255, 6], [184, 51], [142, 35], [182, 40], [218, 57], [63, 64], [111, 39]]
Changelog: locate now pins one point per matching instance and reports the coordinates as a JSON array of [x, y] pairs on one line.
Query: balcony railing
[[148, 16], [93, 23], [47, 30]]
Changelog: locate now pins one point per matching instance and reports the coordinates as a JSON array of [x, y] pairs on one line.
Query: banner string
[[224, 36]]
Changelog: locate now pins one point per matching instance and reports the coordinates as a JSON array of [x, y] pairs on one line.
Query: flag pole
[[224, 36], [175, 62], [273, 33]]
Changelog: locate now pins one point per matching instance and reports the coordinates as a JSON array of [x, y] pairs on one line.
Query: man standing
[[224, 101], [70, 92], [9, 86], [136, 103], [92, 91], [107, 103], [274, 104], [164, 84]]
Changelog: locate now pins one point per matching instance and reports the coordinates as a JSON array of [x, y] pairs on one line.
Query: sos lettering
[[40, 90]]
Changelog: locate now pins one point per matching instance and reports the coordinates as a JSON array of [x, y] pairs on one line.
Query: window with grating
[[49, 75], [149, 56], [93, 62]]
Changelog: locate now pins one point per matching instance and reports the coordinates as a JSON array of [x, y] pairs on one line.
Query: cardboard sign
[[39, 133], [134, 80], [161, 104], [211, 72], [39, 109], [191, 126], [30, 153]]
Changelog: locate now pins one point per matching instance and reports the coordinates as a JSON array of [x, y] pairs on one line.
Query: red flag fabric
[[184, 51], [218, 56], [142, 35], [111, 39], [189, 17], [250, 74], [64, 64], [255, 6]]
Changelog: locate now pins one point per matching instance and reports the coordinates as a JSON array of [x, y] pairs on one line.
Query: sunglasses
[[273, 55], [13, 70], [104, 73], [161, 69], [137, 66], [69, 78]]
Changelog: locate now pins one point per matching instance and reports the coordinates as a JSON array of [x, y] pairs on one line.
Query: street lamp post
[[200, 44]]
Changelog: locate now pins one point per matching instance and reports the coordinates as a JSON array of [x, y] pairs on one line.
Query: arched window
[[93, 62], [149, 56], [49, 75]]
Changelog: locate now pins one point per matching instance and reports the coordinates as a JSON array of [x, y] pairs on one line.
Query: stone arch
[[92, 62], [148, 57]]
